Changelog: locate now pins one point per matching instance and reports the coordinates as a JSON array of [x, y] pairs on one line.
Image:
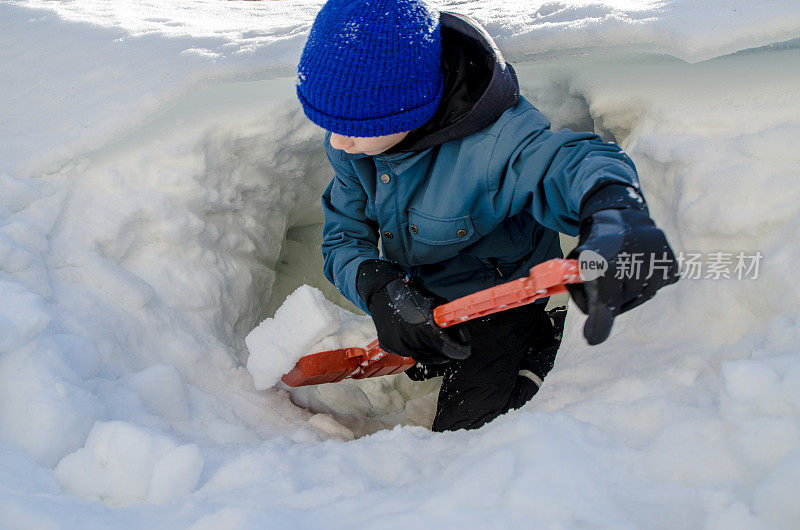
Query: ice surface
[[152, 160]]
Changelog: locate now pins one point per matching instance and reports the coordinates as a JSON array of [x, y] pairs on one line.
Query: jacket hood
[[479, 85]]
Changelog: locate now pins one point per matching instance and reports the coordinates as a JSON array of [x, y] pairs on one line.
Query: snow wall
[[160, 198]]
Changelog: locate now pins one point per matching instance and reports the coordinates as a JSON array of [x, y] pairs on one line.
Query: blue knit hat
[[371, 67]]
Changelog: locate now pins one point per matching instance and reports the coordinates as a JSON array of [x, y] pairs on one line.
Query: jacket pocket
[[431, 230], [507, 242], [434, 239]]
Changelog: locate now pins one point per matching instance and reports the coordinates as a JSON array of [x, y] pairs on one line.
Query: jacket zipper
[[496, 266]]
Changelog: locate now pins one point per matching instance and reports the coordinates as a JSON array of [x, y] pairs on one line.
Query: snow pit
[[158, 199], [307, 323]]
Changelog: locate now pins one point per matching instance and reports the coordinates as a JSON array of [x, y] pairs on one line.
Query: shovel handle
[[545, 279]]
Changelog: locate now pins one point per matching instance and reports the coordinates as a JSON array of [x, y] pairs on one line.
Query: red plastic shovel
[[545, 279]]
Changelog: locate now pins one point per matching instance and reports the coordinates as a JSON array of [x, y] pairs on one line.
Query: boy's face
[[373, 145]]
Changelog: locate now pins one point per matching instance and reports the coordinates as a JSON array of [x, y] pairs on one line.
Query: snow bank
[[88, 85], [692, 31], [157, 251], [682, 28], [148, 183]]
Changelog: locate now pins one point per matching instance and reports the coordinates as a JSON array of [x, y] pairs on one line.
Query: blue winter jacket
[[469, 213]]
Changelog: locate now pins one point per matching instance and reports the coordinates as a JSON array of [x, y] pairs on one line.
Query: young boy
[[437, 156]]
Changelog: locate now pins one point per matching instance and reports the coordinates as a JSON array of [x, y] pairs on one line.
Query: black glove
[[403, 315], [614, 220]]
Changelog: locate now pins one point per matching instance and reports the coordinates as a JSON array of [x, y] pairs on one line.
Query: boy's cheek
[[367, 146], [341, 142]]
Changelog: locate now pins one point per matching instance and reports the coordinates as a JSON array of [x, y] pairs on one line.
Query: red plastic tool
[[356, 363], [545, 279]]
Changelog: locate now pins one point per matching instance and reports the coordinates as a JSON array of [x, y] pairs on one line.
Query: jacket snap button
[[388, 235], [414, 229], [461, 233], [385, 178]]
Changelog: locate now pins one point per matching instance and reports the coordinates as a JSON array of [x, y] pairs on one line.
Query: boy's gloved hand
[[615, 224], [403, 315]]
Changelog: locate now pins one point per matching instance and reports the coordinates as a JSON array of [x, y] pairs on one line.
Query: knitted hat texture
[[371, 67]]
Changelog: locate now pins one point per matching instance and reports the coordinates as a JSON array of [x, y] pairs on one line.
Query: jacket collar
[[399, 162]]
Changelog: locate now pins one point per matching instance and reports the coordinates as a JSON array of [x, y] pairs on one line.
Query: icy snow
[[159, 193]]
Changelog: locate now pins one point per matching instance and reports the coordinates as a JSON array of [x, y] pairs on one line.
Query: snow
[[159, 192], [275, 346], [122, 463], [775, 498]]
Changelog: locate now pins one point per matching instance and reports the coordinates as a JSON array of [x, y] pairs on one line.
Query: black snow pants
[[487, 383]]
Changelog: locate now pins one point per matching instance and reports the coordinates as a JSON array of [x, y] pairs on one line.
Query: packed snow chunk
[[123, 463], [175, 474], [275, 346], [354, 330]]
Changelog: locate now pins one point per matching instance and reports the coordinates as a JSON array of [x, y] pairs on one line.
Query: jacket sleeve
[[348, 236], [549, 173]]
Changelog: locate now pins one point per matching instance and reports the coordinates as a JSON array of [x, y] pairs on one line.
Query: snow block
[[275, 346]]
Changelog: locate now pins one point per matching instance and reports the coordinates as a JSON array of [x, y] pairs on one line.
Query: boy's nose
[[341, 142]]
